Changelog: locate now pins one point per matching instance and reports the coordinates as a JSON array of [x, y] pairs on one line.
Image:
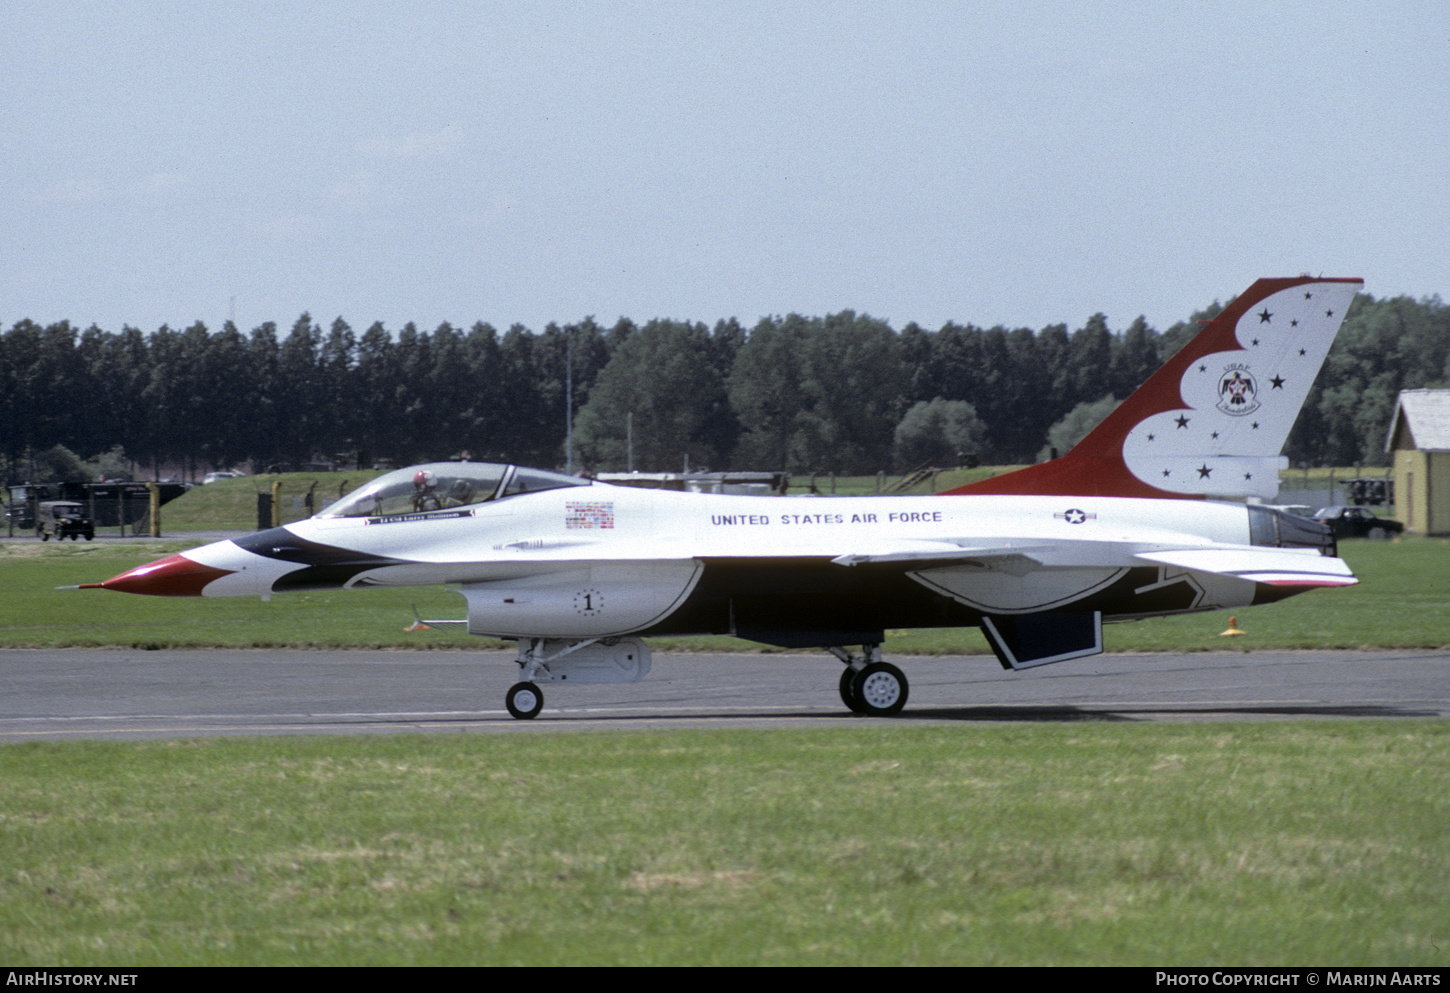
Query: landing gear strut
[[870, 686]]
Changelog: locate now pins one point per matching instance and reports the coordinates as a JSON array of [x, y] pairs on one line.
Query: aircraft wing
[[932, 552], [1272, 566], [1003, 556]]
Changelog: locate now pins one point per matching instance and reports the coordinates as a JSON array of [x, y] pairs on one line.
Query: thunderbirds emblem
[[1237, 392]]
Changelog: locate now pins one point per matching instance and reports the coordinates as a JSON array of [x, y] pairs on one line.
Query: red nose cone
[[176, 575]]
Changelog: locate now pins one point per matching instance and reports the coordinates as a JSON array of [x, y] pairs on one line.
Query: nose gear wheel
[[524, 701]]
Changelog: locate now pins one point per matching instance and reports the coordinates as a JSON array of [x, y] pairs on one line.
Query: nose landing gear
[[524, 701]]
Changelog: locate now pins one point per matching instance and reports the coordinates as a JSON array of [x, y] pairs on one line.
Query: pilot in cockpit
[[425, 496], [460, 494]]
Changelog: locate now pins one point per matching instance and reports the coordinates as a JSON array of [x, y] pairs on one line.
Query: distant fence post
[[155, 509]]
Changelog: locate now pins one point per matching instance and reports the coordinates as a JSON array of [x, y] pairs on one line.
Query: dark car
[[1357, 522], [63, 519]]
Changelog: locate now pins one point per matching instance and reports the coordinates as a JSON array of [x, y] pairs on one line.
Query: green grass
[[35, 614], [231, 504], [1403, 601], [874, 844]]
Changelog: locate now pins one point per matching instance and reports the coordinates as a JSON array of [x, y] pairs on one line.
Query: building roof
[[1426, 415]]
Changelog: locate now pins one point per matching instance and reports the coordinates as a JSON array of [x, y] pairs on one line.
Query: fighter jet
[[1143, 518]]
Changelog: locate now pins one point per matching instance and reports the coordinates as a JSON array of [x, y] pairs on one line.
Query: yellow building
[[1419, 443]]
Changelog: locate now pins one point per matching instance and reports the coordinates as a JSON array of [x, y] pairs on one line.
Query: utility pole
[[569, 399]]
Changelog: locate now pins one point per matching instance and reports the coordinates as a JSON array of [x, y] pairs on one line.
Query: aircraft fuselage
[[600, 560]]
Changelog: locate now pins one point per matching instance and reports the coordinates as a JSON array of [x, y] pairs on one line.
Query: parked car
[[63, 519], [212, 477], [1357, 522]]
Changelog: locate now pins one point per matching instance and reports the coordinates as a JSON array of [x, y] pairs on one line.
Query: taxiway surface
[[96, 693]]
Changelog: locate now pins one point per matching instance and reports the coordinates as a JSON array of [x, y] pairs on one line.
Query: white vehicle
[[579, 571]]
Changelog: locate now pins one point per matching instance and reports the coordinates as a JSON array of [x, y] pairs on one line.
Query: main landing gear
[[870, 686]]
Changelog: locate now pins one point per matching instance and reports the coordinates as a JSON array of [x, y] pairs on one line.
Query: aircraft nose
[[175, 575]]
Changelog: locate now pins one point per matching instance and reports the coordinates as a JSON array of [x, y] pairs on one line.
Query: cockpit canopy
[[443, 486]]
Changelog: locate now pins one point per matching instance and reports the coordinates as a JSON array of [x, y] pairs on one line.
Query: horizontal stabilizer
[[1274, 566]]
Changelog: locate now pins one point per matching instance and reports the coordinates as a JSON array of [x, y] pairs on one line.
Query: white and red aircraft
[[579, 571]]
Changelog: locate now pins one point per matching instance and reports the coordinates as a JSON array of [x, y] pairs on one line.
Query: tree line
[[843, 393]]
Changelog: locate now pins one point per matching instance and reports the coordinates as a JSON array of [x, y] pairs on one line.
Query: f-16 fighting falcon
[[1138, 520]]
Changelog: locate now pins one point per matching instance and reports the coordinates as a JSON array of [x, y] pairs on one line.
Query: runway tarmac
[[56, 694]]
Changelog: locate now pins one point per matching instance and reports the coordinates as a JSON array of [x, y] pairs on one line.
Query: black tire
[[881, 688], [853, 704], [45, 536], [524, 701]]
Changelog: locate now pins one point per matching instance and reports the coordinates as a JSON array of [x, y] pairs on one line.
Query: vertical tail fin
[[1213, 420]]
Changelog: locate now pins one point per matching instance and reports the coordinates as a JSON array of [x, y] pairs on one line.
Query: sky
[[1022, 163]]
